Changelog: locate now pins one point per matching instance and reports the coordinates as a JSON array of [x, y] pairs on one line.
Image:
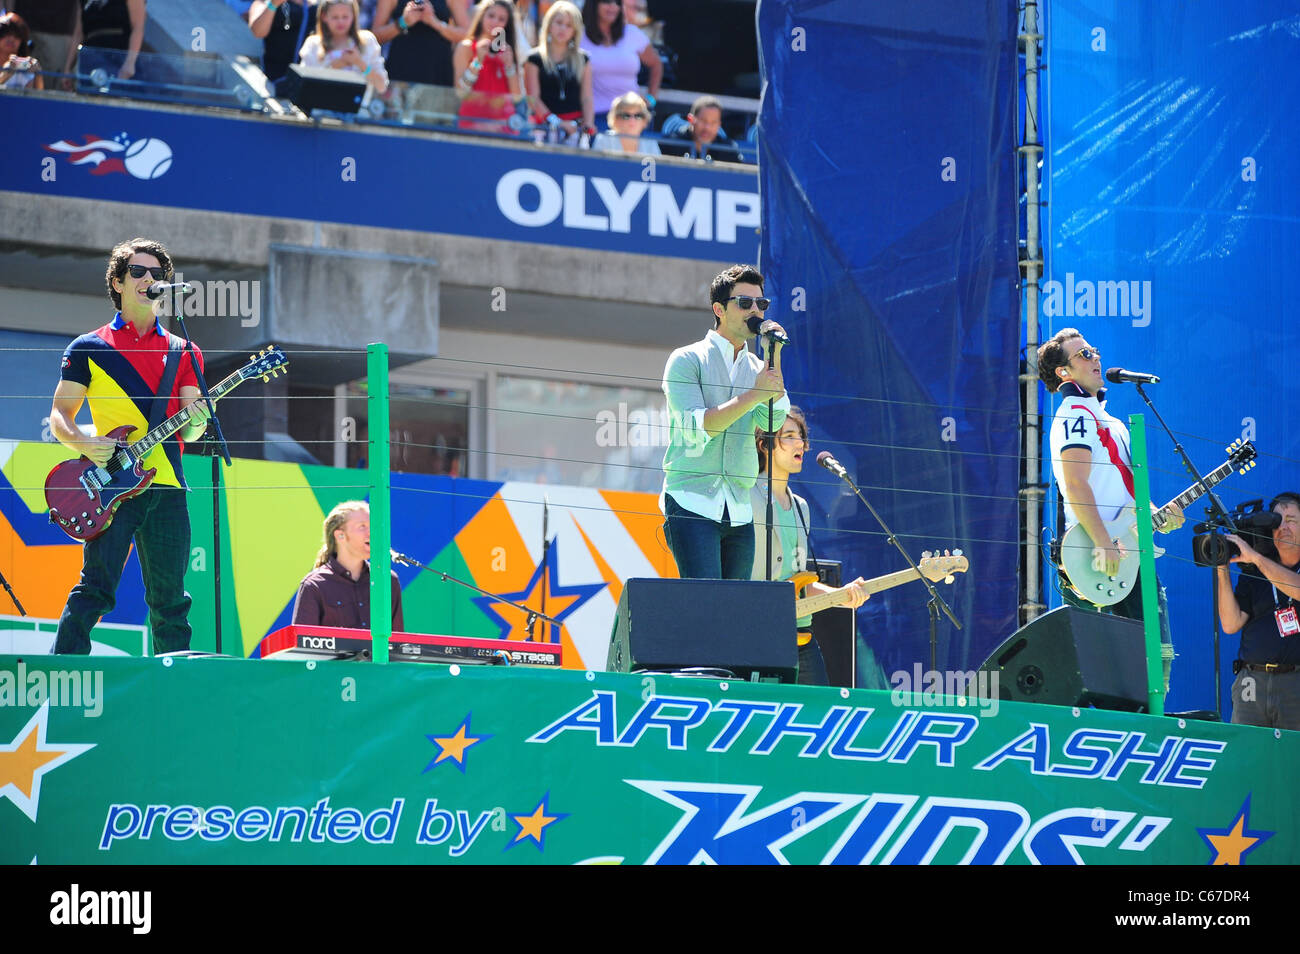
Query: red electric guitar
[[83, 496]]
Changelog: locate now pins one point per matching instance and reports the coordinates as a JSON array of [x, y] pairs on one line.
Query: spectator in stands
[[701, 132], [636, 13], [52, 24], [282, 26], [113, 25], [627, 120], [617, 51], [420, 35], [557, 76], [487, 77], [17, 67], [528, 21], [340, 44]]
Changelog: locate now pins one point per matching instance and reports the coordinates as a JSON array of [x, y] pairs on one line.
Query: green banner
[[234, 761]]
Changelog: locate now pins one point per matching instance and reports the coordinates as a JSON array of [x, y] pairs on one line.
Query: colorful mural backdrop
[[486, 533]]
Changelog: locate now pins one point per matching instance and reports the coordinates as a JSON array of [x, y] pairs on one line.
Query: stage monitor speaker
[[836, 634], [1073, 657], [745, 627], [312, 87]]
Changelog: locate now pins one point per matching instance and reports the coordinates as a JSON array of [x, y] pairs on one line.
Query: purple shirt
[[328, 596]]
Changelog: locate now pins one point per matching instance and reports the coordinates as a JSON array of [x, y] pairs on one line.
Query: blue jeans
[[705, 550], [159, 523]]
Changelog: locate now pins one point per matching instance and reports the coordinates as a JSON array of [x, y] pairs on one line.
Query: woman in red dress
[[486, 70]]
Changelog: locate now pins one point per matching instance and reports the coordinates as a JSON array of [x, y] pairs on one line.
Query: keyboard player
[[337, 591]]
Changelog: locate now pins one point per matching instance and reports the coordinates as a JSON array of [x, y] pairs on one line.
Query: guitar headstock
[[935, 567], [266, 364], [1241, 455]]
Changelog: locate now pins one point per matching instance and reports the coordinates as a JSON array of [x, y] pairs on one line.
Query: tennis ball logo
[[148, 158]]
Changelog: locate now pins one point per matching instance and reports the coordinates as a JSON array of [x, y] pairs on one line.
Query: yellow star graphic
[[28, 757], [455, 746], [531, 826], [1232, 846]]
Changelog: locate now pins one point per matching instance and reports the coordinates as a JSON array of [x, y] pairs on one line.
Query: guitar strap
[[162, 396], [812, 557]]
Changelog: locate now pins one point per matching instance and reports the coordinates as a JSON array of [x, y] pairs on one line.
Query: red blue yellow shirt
[[121, 372]]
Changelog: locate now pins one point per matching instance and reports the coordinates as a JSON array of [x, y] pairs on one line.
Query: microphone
[[830, 463], [158, 289], [754, 322], [399, 557], [1120, 376]]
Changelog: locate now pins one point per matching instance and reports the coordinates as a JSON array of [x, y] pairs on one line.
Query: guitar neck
[[182, 417], [1195, 492], [815, 604]]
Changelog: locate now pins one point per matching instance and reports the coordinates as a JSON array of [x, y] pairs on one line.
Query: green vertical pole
[[381, 570], [1146, 544]]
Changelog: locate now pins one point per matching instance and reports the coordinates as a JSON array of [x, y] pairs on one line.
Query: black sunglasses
[[157, 271], [747, 302], [631, 116]]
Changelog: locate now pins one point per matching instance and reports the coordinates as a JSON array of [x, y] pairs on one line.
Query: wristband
[[366, 71], [651, 101], [271, 7], [402, 24]]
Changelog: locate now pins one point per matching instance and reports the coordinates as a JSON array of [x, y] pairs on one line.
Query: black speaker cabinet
[[1073, 657], [745, 627], [313, 87]]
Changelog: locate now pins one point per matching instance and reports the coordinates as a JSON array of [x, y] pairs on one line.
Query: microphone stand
[[1218, 514], [771, 349], [218, 443], [10, 590], [936, 601], [546, 567], [533, 615], [214, 423]]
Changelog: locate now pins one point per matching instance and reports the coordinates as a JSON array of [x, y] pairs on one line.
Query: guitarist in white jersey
[[1092, 466], [119, 368]]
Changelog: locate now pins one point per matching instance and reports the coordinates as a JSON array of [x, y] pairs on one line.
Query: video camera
[[1249, 520]]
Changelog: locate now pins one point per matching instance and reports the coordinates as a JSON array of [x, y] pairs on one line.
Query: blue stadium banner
[[348, 174]]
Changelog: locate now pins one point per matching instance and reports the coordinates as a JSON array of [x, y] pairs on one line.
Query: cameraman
[[1263, 607]]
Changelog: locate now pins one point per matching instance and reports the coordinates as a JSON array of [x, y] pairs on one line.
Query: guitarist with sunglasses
[[1092, 466], [120, 369]]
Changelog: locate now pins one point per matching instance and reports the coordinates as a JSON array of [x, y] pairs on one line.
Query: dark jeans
[[159, 523], [812, 667], [705, 550], [1270, 699]]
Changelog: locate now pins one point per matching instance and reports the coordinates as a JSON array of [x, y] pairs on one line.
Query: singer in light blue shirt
[[717, 393]]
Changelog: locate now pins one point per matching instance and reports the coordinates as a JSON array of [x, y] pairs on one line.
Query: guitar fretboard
[[126, 458], [1194, 492]]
